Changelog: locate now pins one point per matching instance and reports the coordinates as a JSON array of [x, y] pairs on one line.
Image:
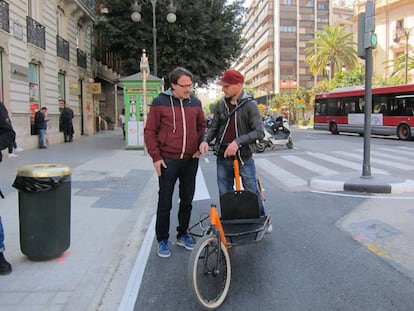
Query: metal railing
[[81, 58], [62, 47], [4, 16], [36, 33]]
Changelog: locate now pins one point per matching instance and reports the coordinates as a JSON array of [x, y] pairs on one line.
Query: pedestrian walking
[[172, 134], [122, 121], [7, 137], [41, 126], [66, 124], [236, 125]]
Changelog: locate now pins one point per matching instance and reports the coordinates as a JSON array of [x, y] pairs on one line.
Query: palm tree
[[403, 64], [332, 47]]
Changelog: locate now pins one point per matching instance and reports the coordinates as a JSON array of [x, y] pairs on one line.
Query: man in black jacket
[[7, 137], [66, 125], [236, 126]]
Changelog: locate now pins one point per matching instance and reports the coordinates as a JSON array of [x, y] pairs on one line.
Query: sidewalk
[[113, 195]]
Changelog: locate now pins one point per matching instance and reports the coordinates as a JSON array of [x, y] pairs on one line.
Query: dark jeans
[[11, 146], [185, 171]]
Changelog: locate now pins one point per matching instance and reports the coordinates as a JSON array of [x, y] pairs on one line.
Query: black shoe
[[5, 267], [42, 147]]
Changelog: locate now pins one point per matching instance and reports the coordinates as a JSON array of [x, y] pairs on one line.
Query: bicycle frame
[[215, 221]]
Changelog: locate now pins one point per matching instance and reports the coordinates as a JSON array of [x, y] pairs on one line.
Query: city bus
[[342, 110]]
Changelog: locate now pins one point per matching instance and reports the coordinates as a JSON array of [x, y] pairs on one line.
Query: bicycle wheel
[[209, 272]]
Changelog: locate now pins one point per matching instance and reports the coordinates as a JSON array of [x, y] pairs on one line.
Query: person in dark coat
[[7, 137], [66, 124], [41, 126]]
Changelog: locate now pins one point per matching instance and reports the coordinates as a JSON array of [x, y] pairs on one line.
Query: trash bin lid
[[43, 170]]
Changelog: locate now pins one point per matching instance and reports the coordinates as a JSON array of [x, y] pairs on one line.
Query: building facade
[[277, 33], [394, 26], [46, 60]]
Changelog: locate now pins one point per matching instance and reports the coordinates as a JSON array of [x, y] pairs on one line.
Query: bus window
[[332, 107], [379, 105], [399, 109], [349, 105], [320, 108]]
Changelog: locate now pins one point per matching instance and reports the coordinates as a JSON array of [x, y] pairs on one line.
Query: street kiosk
[[134, 106]]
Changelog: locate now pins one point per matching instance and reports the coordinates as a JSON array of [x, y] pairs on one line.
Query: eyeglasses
[[185, 86]]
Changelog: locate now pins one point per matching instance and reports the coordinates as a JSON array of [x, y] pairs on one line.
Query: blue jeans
[[185, 170], [1, 237], [42, 134], [225, 177]]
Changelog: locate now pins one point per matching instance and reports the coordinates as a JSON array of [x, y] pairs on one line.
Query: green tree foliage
[[348, 78], [332, 48], [206, 37]]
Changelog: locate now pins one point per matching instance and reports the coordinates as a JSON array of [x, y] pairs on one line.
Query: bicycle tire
[[208, 284]]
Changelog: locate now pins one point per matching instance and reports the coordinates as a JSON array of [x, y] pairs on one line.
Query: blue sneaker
[[164, 249], [186, 241]]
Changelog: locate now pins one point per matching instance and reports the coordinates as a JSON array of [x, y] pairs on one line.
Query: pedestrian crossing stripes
[[376, 160], [321, 170], [280, 173], [296, 170], [293, 171]]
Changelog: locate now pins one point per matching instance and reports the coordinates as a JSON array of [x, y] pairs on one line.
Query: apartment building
[[46, 60], [277, 33], [394, 26]]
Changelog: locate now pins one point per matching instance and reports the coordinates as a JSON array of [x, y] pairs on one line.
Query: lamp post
[[144, 68], [407, 34], [171, 18]]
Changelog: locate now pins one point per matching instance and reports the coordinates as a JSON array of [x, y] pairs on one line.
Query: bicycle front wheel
[[209, 272]]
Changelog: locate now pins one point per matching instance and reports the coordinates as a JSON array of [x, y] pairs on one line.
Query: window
[[61, 89], [34, 9], [34, 96]]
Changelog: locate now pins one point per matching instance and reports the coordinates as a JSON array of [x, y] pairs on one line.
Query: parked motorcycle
[[277, 133]]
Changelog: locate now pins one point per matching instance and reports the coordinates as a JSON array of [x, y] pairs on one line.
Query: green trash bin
[[44, 209]]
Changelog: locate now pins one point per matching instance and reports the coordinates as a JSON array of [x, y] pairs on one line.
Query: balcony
[[81, 55], [4, 16], [36, 33], [62, 47]]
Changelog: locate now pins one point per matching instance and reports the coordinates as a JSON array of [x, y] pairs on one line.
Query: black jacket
[[249, 125], [7, 134]]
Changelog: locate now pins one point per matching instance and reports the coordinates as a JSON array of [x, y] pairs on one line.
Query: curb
[[356, 183]]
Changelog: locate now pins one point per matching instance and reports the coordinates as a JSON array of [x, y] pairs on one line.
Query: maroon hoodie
[[174, 127]]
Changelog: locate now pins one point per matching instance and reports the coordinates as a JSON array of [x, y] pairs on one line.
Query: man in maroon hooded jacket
[[172, 134]]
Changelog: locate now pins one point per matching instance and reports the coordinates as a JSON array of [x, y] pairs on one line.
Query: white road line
[[201, 191], [279, 173], [388, 155], [377, 161], [345, 163], [408, 150], [321, 170], [134, 283]]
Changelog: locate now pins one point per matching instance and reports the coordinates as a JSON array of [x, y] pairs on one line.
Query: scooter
[[277, 133]]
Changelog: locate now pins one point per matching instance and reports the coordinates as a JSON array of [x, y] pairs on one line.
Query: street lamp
[[171, 18], [144, 68]]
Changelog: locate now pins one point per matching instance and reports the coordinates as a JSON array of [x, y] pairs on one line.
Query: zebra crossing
[[293, 171]]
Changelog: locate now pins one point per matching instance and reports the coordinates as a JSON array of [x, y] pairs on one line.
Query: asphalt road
[[309, 262]]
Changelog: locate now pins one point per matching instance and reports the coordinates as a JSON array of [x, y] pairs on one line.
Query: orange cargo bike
[[209, 268]]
